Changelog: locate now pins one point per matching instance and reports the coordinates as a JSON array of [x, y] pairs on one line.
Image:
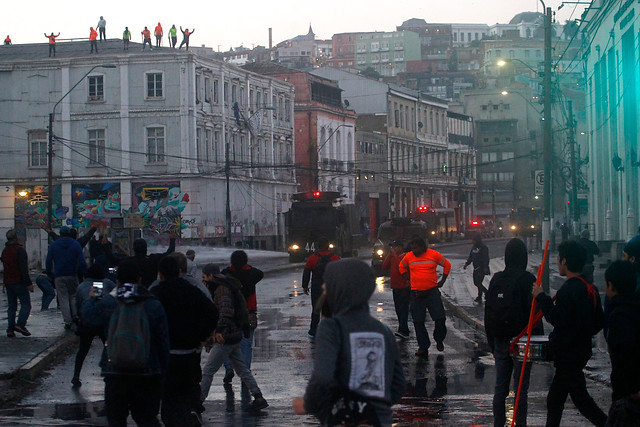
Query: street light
[[50, 145]]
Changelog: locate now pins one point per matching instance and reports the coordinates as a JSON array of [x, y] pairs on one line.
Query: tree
[[571, 28], [370, 72]]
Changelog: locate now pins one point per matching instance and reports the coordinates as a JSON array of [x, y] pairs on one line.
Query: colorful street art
[[31, 206], [161, 205], [95, 204]]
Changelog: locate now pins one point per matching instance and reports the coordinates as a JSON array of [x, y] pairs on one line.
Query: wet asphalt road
[[450, 388]]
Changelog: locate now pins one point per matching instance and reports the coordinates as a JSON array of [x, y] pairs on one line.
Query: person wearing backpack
[[233, 324], [17, 284], [192, 317], [313, 271], [576, 316], [133, 369], [479, 256], [506, 313]]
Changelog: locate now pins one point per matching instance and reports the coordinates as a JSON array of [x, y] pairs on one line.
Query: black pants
[[94, 45], [146, 41], [140, 395], [569, 380], [103, 33], [421, 301], [316, 292], [402, 302], [174, 40], [86, 338], [52, 48], [184, 41], [158, 40], [478, 278], [181, 389]]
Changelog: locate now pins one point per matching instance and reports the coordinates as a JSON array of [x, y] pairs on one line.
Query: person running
[[576, 316], [506, 313], [93, 35], [420, 267], [7, 41], [185, 37], [479, 256], [17, 284], [146, 37], [126, 38], [399, 286], [52, 43], [102, 28], [158, 33], [354, 351], [313, 270], [173, 36]]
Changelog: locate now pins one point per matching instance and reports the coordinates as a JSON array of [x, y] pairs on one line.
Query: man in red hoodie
[[400, 287]]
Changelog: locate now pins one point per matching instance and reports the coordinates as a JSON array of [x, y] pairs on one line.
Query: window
[[154, 85], [484, 108], [495, 106], [198, 98], [287, 110], [215, 91], [38, 148], [155, 144], [96, 147], [207, 89], [234, 93], [96, 88], [507, 155], [225, 94], [506, 106]]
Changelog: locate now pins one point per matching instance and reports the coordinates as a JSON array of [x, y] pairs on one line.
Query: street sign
[[539, 183]]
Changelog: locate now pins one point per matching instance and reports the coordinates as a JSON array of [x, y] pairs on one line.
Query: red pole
[[529, 327]]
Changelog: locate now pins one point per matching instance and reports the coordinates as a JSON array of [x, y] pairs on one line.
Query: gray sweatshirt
[[353, 349]]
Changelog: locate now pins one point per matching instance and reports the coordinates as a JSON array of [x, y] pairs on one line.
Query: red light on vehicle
[[316, 194], [423, 208], [474, 222]]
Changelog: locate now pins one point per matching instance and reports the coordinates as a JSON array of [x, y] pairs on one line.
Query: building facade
[[387, 53], [146, 141]]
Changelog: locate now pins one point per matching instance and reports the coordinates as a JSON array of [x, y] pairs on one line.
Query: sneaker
[[422, 353], [11, 334], [76, 382], [24, 331], [402, 335], [258, 403], [228, 376], [440, 346], [195, 418]]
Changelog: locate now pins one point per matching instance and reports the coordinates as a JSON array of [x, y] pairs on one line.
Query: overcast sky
[[223, 24]]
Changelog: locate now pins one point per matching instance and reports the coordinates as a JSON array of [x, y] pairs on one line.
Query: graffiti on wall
[[95, 204], [31, 206], [161, 205]]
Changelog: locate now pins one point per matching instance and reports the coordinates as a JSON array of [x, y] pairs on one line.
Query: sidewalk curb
[[43, 360]]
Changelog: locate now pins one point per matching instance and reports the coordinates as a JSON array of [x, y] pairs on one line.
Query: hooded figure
[[479, 256], [354, 350]]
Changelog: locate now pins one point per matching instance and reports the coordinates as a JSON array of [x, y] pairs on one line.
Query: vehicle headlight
[[295, 247], [380, 252], [513, 227], [533, 226], [330, 245], [433, 233]]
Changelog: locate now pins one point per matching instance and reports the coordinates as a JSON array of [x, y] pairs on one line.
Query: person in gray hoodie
[[353, 350]]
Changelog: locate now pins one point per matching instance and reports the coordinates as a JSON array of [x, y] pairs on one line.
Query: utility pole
[[547, 147], [228, 204], [392, 187], [574, 172]]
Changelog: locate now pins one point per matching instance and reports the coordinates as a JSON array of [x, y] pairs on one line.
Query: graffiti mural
[[31, 206], [95, 204], [161, 205]]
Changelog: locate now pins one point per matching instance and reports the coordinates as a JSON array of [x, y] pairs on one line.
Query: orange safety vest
[[7, 40], [158, 30], [93, 34], [52, 39], [146, 34], [422, 269]]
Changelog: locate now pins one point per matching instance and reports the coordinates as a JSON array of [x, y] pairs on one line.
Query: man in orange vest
[[146, 36], [158, 33], [7, 41], [52, 43], [93, 38], [420, 267]]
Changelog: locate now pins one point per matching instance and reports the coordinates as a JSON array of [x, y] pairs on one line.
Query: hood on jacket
[[515, 255], [65, 242], [350, 283]]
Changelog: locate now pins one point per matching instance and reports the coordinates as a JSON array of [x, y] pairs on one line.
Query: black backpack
[[241, 313], [318, 272], [503, 314], [129, 338]]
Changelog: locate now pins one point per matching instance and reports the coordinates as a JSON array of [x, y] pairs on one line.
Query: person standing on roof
[[158, 33], [316, 265], [126, 38], [173, 38], [185, 37], [7, 41], [93, 35], [52, 43], [146, 37], [420, 267], [102, 28]]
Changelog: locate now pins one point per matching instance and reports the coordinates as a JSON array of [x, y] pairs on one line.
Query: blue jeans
[[505, 367], [246, 347], [420, 302], [15, 293], [48, 292]]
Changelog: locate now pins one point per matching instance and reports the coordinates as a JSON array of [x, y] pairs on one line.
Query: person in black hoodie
[[576, 317], [479, 256], [506, 313], [623, 338], [148, 264], [192, 317]]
